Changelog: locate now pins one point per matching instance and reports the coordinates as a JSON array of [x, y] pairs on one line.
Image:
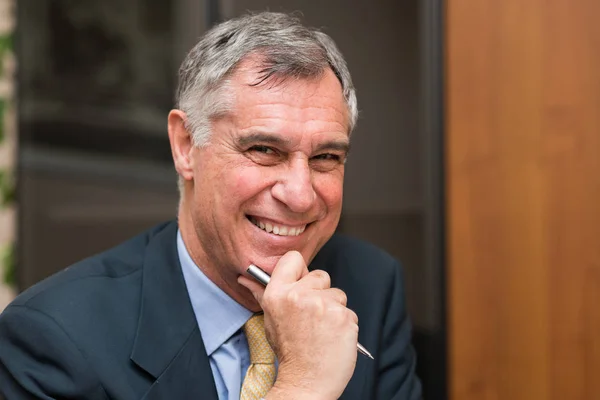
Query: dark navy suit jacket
[[120, 325]]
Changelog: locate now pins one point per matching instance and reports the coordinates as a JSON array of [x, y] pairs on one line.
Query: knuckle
[[293, 298], [342, 298], [319, 305], [313, 304], [338, 313], [322, 276]]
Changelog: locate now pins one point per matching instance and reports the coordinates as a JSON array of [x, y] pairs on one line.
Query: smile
[[277, 229]]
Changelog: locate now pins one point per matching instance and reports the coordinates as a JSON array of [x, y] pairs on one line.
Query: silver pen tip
[[364, 351]]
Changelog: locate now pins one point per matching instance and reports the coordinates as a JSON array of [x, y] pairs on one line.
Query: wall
[[95, 165], [523, 175]]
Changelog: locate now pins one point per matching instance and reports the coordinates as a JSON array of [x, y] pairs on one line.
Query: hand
[[310, 329]]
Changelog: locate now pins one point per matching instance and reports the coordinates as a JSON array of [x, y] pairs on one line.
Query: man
[[259, 140]]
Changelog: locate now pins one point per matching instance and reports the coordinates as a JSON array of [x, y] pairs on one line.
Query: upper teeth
[[281, 230]]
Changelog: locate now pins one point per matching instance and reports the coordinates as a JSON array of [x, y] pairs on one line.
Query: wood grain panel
[[523, 189]]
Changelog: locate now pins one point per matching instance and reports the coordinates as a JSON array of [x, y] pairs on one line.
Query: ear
[[181, 144]]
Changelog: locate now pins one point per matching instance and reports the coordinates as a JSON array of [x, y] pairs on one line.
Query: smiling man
[[269, 177], [259, 139]]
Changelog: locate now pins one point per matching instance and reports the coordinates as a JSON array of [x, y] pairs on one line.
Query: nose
[[295, 188]]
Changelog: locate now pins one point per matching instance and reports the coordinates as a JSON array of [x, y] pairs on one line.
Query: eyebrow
[[336, 145], [261, 137], [278, 141]]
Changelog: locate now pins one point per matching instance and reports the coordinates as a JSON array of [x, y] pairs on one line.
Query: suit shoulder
[[90, 276], [356, 253], [354, 247]]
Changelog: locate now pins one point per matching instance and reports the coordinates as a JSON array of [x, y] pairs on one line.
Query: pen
[[264, 278]]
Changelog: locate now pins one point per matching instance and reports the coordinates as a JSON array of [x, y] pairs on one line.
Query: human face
[[270, 179]]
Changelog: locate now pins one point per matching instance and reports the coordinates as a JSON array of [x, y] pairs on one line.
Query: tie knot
[[260, 350]]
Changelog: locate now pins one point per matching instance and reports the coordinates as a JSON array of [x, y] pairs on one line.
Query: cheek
[[222, 186], [330, 190], [247, 182]]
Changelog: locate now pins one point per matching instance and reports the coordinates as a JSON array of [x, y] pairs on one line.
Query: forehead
[[315, 105]]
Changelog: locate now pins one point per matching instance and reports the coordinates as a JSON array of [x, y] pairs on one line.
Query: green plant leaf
[[7, 188], [5, 45], [8, 194], [2, 108], [7, 260], [5, 42]]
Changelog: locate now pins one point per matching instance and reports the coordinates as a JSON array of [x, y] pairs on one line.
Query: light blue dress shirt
[[220, 319]]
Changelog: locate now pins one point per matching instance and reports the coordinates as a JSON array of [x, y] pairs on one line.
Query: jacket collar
[[168, 343]]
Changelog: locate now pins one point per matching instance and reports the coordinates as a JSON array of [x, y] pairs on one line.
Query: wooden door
[[523, 198]]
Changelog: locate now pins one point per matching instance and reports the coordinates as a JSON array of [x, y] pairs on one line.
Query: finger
[[316, 280], [257, 289], [353, 317], [289, 269], [336, 295]]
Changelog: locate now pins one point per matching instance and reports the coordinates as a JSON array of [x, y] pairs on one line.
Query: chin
[[266, 263]]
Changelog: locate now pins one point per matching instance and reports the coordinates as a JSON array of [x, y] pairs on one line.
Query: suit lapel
[[168, 344], [189, 376]]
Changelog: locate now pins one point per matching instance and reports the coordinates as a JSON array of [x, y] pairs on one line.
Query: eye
[[327, 157], [262, 149], [327, 162], [264, 155]]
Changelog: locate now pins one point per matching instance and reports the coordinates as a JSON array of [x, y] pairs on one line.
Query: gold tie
[[261, 373]]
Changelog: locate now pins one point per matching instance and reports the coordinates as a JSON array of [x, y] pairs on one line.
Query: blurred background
[[475, 163]]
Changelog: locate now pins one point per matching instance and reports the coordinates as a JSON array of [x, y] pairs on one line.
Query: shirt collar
[[218, 315]]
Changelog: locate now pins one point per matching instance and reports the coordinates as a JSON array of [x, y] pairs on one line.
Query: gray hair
[[287, 49]]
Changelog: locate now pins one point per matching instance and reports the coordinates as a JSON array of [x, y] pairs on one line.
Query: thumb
[[289, 269], [254, 287]]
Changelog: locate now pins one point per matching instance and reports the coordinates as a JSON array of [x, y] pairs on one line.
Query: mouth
[[277, 228]]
